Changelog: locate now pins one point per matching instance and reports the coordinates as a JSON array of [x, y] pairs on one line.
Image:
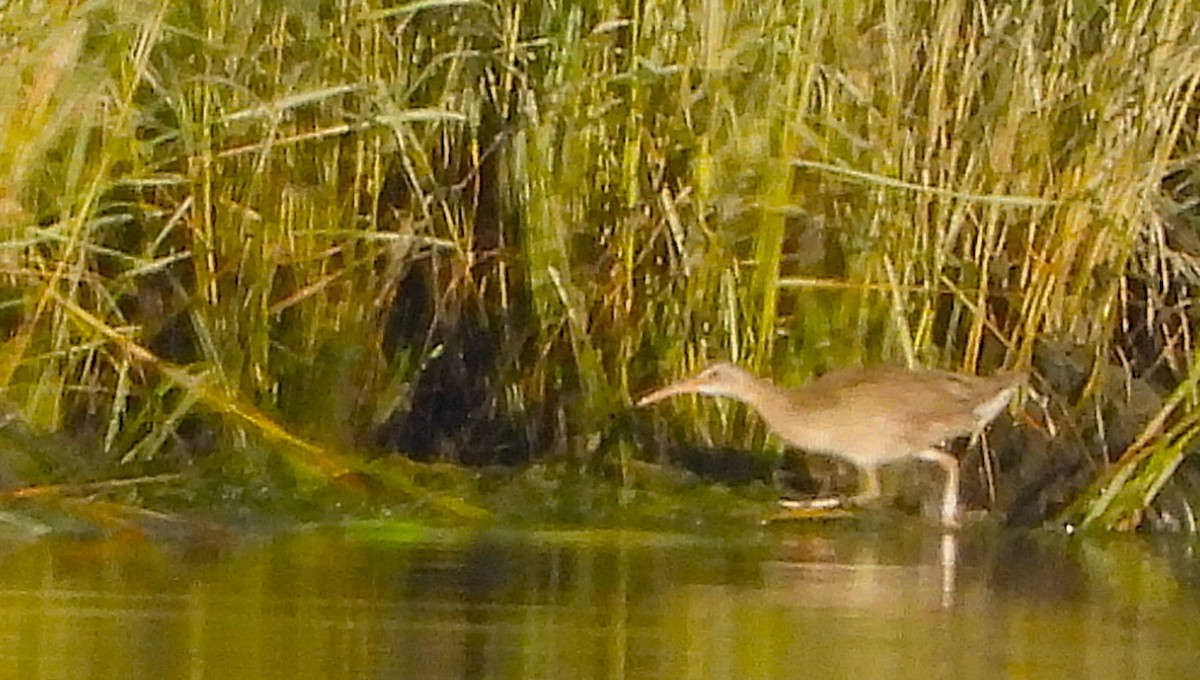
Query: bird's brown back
[[886, 412]]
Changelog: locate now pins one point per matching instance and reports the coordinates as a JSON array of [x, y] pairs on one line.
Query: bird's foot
[[809, 509], [812, 503]]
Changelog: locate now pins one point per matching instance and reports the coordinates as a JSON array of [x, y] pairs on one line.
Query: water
[[820, 602]]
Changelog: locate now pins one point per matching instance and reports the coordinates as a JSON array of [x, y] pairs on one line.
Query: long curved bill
[[685, 386]]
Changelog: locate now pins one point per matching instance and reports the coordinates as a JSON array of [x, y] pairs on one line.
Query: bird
[[867, 416]]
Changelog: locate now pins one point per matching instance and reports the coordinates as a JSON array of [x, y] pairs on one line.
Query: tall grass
[[304, 208]]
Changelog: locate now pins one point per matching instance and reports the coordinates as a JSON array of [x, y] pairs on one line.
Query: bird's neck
[[770, 400], [792, 415]]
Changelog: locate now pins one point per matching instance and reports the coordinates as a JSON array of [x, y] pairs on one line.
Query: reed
[[321, 211]]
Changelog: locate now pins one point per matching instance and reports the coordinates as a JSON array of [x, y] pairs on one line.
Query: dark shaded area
[[1089, 412], [727, 465], [442, 310]]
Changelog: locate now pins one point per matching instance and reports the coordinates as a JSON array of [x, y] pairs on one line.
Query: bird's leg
[[950, 490], [869, 491], [869, 485]]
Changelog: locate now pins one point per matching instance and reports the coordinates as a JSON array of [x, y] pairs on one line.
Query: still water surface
[[822, 602]]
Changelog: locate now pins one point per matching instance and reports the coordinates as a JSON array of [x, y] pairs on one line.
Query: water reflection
[[872, 571], [817, 602]]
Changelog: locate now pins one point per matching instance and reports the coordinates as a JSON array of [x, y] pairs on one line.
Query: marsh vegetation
[[346, 251]]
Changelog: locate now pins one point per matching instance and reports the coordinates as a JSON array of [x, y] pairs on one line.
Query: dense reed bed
[[318, 232]]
